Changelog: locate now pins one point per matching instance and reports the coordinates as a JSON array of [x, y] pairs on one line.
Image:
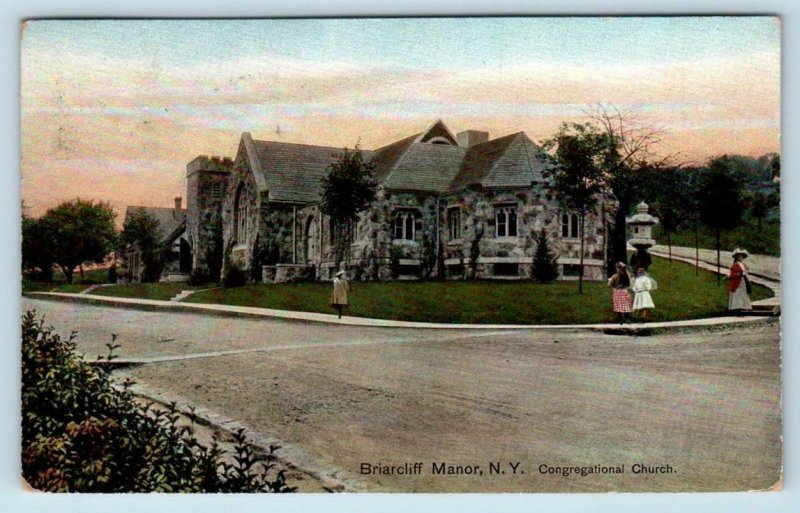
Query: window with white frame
[[570, 226], [505, 221], [454, 221], [405, 224]]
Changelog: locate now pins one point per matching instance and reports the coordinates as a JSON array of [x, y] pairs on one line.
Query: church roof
[[293, 172], [430, 161], [170, 220], [425, 167], [510, 161]]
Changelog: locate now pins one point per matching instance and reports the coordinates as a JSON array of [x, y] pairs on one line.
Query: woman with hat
[[340, 290], [739, 287], [620, 297]]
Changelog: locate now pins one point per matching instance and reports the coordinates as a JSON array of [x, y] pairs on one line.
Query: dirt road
[[697, 411]]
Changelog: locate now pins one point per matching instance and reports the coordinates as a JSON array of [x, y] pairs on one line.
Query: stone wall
[[376, 254], [498, 257], [207, 181], [238, 248], [280, 233]]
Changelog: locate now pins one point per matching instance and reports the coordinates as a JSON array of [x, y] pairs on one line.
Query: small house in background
[[172, 231]]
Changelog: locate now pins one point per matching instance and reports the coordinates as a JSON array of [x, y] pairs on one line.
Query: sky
[[113, 110]]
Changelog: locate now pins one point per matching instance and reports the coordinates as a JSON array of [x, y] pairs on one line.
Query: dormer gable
[[437, 133]]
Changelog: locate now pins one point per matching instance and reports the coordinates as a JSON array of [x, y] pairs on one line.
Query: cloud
[[134, 124]]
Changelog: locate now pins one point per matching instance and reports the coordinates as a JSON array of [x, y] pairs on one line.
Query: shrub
[[82, 432], [545, 262], [475, 251], [396, 252], [235, 277], [429, 256], [198, 277]]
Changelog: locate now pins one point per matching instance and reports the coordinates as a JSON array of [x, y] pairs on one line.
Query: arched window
[[570, 226], [240, 216], [505, 218], [454, 220], [405, 224], [311, 240]]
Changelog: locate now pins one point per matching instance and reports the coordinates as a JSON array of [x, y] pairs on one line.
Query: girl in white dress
[[642, 285]]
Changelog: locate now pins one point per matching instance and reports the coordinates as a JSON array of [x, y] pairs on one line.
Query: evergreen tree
[[721, 200], [545, 261], [348, 188]]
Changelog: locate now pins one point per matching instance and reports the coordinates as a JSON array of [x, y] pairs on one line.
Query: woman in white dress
[[642, 301], [739, 283], [340, 289]]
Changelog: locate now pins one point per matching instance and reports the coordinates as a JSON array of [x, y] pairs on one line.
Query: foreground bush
[[81, 432]]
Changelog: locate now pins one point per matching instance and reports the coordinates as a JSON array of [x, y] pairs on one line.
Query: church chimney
[[470, 138], [178, 201]]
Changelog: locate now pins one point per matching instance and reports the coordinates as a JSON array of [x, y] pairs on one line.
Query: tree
[[545, 261], [775, 166], [695, 176], [577, 173], [759, 207], [626, 155], [144, 232], [79, 232], [348, 188], [672, 202], [37, 255], [720, 197]]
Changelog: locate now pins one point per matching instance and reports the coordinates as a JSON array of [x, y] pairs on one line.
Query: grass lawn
[[764, 241], [59, 283], [159, 291], [681, 295]]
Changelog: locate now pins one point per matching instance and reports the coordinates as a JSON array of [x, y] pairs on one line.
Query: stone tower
[[206, 184]]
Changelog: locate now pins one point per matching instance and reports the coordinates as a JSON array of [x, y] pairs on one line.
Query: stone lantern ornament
[[641, 225]]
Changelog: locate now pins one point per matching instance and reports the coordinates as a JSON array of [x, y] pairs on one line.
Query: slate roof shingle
[[294, 172], [510, 161], [425, 167]]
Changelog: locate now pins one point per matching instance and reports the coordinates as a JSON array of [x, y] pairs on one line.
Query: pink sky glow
[[121, 126]]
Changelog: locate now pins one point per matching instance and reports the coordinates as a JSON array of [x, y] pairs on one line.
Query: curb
[[304, 317], [289, 456]]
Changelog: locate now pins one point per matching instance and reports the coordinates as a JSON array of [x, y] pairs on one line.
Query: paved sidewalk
[[759, 265], [245, 311], [760, 262]]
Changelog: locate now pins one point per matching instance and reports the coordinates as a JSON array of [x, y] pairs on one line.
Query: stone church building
[[463, 205]]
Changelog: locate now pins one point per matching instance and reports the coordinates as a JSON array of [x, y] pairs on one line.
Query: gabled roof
[[437, 130], [170, 220], [510, 161], [425, 167], [293, 172], [430, 161], [386, 157]]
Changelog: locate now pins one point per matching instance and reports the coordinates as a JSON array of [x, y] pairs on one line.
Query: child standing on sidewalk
[[642, 301]]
